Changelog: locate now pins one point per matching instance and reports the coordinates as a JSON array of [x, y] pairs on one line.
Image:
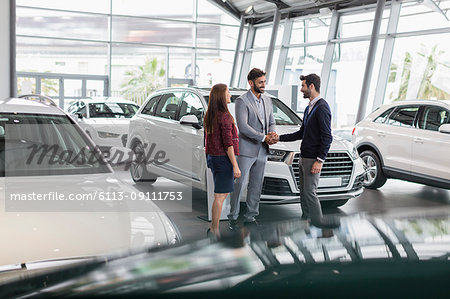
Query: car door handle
[[418, 140], [381, 134], [173, 135]]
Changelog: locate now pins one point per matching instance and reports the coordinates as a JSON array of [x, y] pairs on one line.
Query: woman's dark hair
[[312, 79], [217, 103], [255, 74]]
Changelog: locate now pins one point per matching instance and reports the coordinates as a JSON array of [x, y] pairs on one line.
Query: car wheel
[[333, 203], [374, 177], [138, 168]]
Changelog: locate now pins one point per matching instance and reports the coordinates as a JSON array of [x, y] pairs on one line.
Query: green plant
[[145, 78]]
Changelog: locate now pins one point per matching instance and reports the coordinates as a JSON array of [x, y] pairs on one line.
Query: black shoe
[[251, 223], [233, 225], [329, 223]]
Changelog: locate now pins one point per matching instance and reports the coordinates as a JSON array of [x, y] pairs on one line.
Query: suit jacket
[[250, 125], [315, 132]]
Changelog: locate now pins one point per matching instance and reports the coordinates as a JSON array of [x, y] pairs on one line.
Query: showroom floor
[[396, 197]]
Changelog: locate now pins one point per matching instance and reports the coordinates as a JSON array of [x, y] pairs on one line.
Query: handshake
[[272, 138]]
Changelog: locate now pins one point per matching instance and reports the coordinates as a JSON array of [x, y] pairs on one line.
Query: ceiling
[[263, 10]]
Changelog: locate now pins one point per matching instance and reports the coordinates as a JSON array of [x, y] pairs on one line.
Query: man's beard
[[306, 94], [257, 89]]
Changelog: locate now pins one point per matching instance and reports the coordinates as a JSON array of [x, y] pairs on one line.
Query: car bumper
[[281, 180]]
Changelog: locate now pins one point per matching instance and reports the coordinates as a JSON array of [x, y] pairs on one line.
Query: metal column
[[236, 53], [110, 29], [370, 61], [247, 57], [386, 58], [273, 38], [12, 49], [329, 52], [288, 24]]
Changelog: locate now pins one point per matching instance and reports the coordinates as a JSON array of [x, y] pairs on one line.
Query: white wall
[[4, 50]]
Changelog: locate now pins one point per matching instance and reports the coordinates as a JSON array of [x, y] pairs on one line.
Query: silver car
[[170, 122]]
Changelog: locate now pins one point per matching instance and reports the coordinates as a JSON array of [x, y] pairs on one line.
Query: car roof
[[107, 99], [12, 105], [418, 102], [204, 91]]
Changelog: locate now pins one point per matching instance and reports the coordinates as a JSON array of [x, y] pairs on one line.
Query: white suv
[[55, 203], [171, 120], [104, 119], [407, 140]]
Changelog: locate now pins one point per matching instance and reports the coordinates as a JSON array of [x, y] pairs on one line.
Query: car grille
[[275, 186], [336, 165]]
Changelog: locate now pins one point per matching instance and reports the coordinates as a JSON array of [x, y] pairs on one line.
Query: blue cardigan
[[316, 133]]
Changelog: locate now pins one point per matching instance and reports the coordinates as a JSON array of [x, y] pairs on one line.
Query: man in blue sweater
[[315, 133]]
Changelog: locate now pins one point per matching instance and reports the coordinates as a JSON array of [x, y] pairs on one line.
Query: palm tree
[[427, 90], [144, 79]]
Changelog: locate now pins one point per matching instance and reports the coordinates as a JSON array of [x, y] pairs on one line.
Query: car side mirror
[[445, 128], [79, 116], [190, 120]]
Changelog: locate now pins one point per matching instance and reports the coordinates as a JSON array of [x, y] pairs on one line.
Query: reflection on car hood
[[42, 229], [295, 252], [116, 125], [338, 143]]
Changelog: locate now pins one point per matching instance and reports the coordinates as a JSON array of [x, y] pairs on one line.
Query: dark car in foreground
[[367, 256]]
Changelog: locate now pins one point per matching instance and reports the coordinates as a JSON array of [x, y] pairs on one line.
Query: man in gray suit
[[256, 124]]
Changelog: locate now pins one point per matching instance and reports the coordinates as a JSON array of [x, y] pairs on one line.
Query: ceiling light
[[249, 10]]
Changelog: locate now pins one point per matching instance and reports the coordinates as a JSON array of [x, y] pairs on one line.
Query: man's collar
[[254, 97]]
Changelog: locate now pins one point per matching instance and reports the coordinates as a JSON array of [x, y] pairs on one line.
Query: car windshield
[[37, 144], [282, 114], [112, 110]]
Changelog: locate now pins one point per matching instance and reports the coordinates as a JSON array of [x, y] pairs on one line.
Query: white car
[[408, 140], [55, 203], [171, 120], [104, 119]]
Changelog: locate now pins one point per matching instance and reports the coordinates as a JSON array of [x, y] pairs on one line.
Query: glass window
[[72, 108], [149, 108], [61, 56], [168, 105], [361, 24], [418, 16], [403, 116], [215, 36], [318, 29], [419, 68], [214, 66], [173, 9], [112, 110], [383, 117], [137, 71], [283, 115], [46, 145], [38, 22], [127, 29], [208, 12], [191, 105], [433, 117], [100, 6]]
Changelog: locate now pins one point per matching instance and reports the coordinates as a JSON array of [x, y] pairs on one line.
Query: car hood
[[119, 125], [338, 144], [276, 255], [44, 229]]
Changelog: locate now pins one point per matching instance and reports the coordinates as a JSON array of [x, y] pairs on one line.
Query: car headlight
[[276, 155], [354, 153], [102, 134]]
